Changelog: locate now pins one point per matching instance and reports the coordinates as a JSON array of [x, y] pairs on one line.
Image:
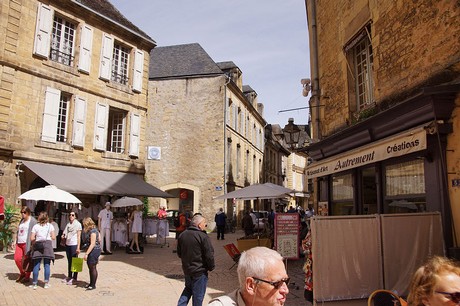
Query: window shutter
[[100, 133], [50, 114], [79, 117], [138, 70], [86, 44], [106, 57], [134, 135], [43, 30]]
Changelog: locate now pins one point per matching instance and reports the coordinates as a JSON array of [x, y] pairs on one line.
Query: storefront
[[393, 162]]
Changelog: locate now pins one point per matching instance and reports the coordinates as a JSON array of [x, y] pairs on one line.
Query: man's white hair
[[255, 262], [197, 219]]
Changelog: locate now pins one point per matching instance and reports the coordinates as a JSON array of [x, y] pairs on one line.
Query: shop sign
[[402, 144], [287, 235]]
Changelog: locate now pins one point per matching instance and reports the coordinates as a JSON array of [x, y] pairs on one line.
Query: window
[[62, 41], [111, 130], [405, 187], [360, 59], [116, 131], [61, 134], [56, 119], [238, 160], [342, 195], [120, 64]]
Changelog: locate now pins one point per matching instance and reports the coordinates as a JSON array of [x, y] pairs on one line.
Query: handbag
[[77, 264], [40, 245], [63, 242], [27, 261]]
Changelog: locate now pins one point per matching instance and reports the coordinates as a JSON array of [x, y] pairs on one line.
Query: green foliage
[[9, 226], [146, 207]]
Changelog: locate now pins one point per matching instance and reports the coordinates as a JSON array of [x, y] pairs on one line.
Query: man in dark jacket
[[220, 220], [195, 250]]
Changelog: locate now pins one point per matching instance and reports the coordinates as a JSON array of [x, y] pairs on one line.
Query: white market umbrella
[[49, 193], [126, 202], [257, 191]]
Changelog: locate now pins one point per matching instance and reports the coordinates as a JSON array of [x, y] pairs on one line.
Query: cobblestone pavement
[[152, 278]]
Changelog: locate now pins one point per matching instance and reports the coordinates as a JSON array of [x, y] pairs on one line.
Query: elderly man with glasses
[[263, 280], [197, 254]]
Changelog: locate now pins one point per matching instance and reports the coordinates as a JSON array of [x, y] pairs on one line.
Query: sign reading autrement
[[287, 235], [408, 142]]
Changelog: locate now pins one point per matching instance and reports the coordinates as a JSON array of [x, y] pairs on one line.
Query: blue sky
[[266, 39]]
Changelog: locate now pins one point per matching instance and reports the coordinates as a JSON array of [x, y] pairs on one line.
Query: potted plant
[[8, 226]]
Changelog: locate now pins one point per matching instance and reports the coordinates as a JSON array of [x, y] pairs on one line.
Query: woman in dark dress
[[93, 252]]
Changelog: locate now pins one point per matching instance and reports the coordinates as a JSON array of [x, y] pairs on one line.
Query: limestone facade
[[58, 92], [208, 131]]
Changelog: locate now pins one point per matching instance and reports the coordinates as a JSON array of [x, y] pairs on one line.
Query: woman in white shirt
[[41, 236], [72, 235], [23, 242]]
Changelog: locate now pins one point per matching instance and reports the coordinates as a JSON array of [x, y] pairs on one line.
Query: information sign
[[287, 231]]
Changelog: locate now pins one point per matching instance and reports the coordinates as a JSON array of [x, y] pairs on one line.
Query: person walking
[[263, 280], [105, 226], [195, 250], [23, 242], [93, 252], [220, 219], [41, 236], [248, 224], [136, 228], [72, 236]]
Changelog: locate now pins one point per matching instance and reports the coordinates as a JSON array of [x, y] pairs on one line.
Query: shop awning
[[91, 181]]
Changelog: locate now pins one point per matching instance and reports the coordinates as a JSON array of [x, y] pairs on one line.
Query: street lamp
[[291, 133]]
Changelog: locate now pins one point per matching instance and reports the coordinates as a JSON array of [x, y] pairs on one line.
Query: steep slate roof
[[227, 65], [105, 8], [181, 61], [247, 89]]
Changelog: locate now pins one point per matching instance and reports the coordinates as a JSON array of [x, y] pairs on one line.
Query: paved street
[[152, 278]]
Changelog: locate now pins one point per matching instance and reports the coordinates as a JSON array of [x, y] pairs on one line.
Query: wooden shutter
[[134, 137], [43, 30], [79, 118], [106, 57], [100, 128], [86, 45], [138, 70], [50, 114]]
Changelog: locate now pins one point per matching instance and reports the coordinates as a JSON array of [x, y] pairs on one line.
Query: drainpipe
[[315, 89], [225, 137]]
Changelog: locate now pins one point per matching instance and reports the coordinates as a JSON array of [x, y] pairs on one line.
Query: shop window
[[405, 187], [369, 191], [342, 195]]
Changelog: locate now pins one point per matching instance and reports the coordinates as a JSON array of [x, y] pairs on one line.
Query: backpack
[[177, 221]]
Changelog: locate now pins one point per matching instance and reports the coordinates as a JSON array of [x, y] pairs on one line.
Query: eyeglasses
[[277, 284], [454, 296]]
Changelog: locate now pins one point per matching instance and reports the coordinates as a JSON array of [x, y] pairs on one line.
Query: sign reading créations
[[408, 142]]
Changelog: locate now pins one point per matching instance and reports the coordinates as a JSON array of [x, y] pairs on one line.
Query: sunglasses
[[72, 215], [23, 212], [454, 296], [277, 284]]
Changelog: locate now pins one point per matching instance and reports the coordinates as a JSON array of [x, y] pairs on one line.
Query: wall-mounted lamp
[[18, 168]]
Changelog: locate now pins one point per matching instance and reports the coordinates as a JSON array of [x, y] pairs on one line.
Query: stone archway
[[187, 197]]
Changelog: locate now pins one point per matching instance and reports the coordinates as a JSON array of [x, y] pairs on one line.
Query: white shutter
[[138, 70], [79, 117], [100, 128], [106, 57], [134, 135], [43, 30], [50, 114], [86, 45]]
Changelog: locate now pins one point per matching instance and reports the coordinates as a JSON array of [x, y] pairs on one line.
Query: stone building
[[385, 83], [73, 99], [207, 129]]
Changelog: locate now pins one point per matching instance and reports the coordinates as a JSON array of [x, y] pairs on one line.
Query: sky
[[266, 39]]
